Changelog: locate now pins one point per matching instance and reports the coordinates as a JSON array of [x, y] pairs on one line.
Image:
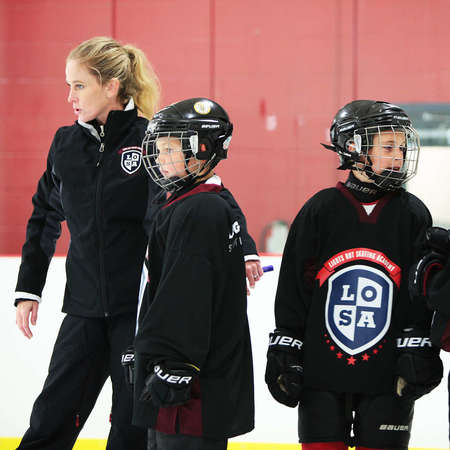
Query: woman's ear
[[112, 88]]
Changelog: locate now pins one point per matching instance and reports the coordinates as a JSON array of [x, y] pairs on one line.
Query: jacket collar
[[91, 128]]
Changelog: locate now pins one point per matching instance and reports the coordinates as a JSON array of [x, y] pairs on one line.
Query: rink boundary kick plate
[[100, 444]]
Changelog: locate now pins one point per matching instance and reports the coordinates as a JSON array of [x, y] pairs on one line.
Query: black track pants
[[86, 352]]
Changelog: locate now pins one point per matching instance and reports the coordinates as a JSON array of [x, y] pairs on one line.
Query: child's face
[[171, 158], [387, 151]]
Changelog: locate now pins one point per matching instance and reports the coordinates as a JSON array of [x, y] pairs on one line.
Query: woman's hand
[[23, 310]]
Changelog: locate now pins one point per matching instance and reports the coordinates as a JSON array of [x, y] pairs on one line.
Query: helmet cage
[[383, 163], [174, 171]]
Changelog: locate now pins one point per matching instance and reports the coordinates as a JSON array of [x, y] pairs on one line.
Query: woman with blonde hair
[[94, 180]]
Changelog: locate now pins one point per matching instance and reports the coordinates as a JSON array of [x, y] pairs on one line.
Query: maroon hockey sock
[[324, 446]]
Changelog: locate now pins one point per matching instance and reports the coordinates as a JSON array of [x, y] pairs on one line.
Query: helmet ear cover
[[213, 145]]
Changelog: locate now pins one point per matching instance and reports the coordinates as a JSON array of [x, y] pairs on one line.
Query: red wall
[[293, 62]]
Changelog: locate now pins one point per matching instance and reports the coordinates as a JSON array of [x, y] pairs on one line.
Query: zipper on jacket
[[99, 215], [102, 145]]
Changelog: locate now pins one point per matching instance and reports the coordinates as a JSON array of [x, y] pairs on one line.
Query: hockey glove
[[169, 384], [128, 365], [419, 368], [437, 240], [284, 371]]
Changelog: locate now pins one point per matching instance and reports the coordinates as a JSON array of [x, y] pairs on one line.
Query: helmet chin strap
[[363, 174], [388, 180], [391, 180], [191, 177], [209, 166]]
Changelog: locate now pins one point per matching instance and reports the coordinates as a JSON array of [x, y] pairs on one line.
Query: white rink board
[[25, 363]]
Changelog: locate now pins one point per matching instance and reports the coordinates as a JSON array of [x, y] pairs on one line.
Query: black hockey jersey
[[196, 312], [343, 287]]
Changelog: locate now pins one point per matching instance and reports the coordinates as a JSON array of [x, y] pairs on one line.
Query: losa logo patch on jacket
[[130, 159], [358, 307]]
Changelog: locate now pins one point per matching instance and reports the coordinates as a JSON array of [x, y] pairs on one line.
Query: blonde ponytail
[[107, 59], [146, 83]]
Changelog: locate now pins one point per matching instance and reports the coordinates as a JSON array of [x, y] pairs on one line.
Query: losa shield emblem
[[358, 308], [131, 158]]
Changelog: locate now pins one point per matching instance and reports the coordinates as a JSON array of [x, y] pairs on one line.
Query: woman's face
[[90, 100]]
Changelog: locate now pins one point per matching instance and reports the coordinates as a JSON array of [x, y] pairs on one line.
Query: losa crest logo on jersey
[[130, 160], [358, 308]]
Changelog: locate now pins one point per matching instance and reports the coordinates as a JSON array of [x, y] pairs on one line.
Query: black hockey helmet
[[352, 133], [204, 130]]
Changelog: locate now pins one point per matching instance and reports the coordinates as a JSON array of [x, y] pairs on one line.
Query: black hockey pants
[[86, 352]]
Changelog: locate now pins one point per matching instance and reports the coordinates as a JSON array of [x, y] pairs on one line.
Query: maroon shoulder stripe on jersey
[[200, 188]]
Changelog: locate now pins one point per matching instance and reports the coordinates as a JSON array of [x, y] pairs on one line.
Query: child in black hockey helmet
[[194, 380], [350, 346]]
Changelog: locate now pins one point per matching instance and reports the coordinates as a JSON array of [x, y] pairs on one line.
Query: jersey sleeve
[[248, 244], [177, 326], [297, 273], [43, 230]]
